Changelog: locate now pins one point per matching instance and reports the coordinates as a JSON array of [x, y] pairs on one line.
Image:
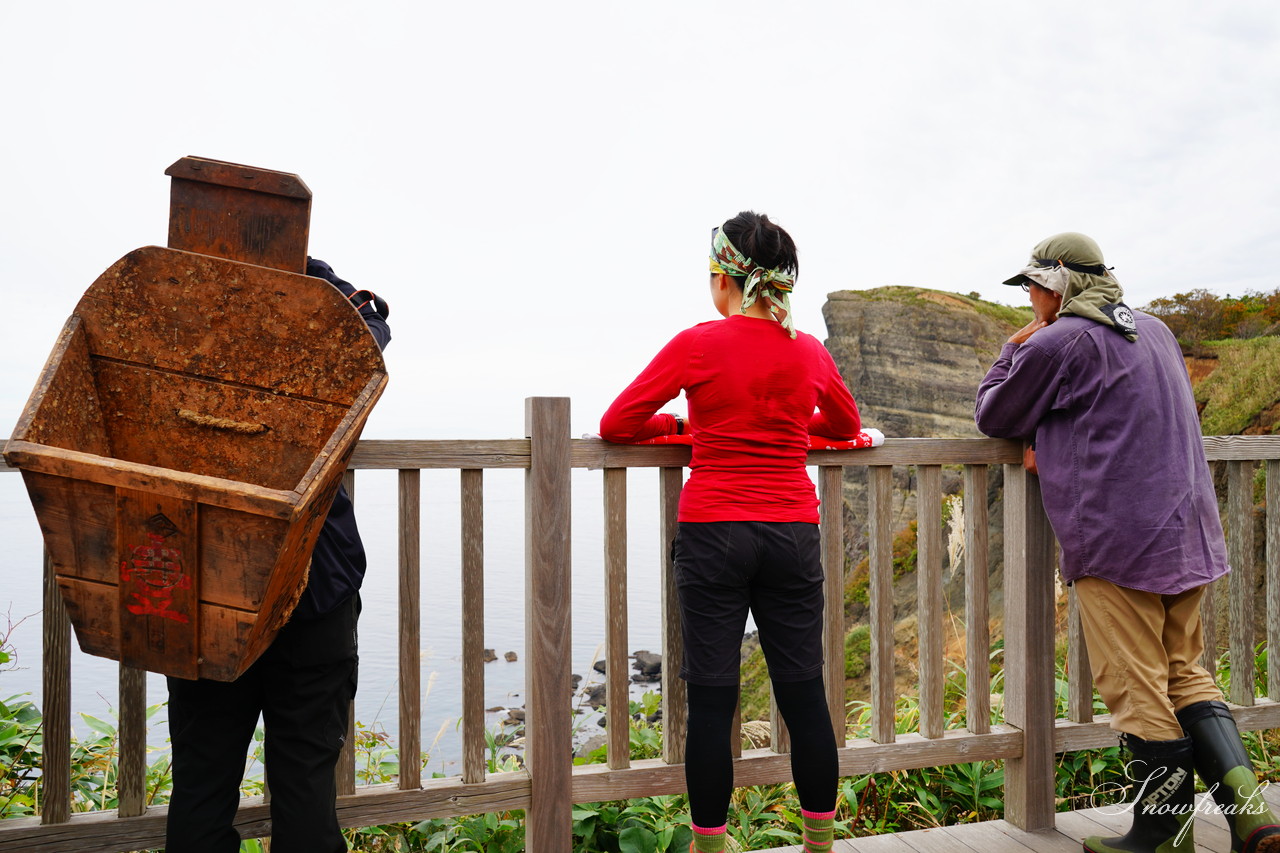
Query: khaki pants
[[1144, 650]]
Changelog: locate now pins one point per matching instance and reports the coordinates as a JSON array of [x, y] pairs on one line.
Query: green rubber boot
[[1225, 768], [1164, 806]]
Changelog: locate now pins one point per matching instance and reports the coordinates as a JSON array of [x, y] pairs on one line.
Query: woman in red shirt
[[748, 531]]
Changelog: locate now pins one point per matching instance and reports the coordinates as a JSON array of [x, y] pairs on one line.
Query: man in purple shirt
[[1100, 393]]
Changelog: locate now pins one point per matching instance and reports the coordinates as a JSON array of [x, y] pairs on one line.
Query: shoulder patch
[[1121, 317]]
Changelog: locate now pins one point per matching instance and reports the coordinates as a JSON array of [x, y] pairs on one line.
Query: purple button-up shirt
[[1118, 447]]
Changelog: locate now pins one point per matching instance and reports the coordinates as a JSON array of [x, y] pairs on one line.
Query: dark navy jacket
[[338, 561]]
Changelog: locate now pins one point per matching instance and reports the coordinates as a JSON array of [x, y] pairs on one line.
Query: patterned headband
[[773, 284]]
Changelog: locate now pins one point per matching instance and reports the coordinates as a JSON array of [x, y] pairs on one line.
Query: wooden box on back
[[182, 448]]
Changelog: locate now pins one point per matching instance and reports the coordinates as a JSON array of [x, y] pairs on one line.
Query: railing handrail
[[1026, 741]]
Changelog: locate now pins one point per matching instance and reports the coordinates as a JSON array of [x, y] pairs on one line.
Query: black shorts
[[772, 568]]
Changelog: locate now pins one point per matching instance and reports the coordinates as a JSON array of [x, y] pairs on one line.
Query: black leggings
[[708, 768]]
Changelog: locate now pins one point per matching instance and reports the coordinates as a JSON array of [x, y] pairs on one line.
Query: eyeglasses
[[1026, 288]]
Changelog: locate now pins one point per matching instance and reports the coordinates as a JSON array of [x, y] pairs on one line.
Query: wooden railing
[[1026, 739]]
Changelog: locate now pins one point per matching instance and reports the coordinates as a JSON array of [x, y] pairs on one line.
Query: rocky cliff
[[914, 357]]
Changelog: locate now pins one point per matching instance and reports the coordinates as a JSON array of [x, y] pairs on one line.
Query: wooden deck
[[999, 836]]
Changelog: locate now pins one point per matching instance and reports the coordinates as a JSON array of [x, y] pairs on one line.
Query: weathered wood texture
[[182, 447], [617, 685], [1242, 580], [1079, 675], [1273, 576], [409, 484], [977, 607], [1029, 646], [547, 624], [242, 213], [929, 615], [675, 711], [473, 730], [880, 544], [831, 509]]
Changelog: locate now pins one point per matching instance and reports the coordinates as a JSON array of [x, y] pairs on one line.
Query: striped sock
[[819, 831], [707, 840]]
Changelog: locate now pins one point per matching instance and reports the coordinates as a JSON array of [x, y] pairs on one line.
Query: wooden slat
[[1241, 580], [56, 695], [977, 608], [675, 709], [831, 512], [450, 453], [929, 597], [779, 735], [133, 741], [1079, 674], [1029, 647], [409, 483], [1209, 620], [1220, 448], [883, 687], [472, 626], [1273, 579], [345, 771], [617, 686], [548, 627], [473, 728]]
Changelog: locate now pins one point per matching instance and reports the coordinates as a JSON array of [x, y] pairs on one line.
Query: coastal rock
[[914, 357], [648, 665]]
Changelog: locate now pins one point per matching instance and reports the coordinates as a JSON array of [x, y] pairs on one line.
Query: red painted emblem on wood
[[154, 572]]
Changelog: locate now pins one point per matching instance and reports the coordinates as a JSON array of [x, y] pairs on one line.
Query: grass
[[1242, 387]]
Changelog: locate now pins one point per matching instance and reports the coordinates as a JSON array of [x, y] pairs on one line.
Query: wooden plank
[[675, 708], [464, 454], [1079, 673], [158, 547], [166, 482], [344, 773], [977, 607], [779, 736], [831, 521], [56, 695], [1221, 448], [473, 727], [1273, 577], [1029, 647], [1209, 620], [132, 717], [594, 453], [548, 624], [617, 685], [1241, 581], [1042, 840], [409, 510], [883, 688], [245, 213], [929, 596]]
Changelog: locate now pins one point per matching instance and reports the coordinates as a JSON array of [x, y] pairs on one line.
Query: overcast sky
[[531, 186]]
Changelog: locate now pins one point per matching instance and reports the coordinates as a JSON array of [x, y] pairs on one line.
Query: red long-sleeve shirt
[[752, 391]]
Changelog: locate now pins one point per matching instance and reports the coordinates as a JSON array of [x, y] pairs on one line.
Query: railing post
[[56, 684], [1242, 582], [409, 511], [548, 633], [675, 708], [831, 509], [1028, 650]]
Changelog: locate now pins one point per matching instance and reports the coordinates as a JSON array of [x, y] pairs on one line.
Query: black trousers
[[302, 686]]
